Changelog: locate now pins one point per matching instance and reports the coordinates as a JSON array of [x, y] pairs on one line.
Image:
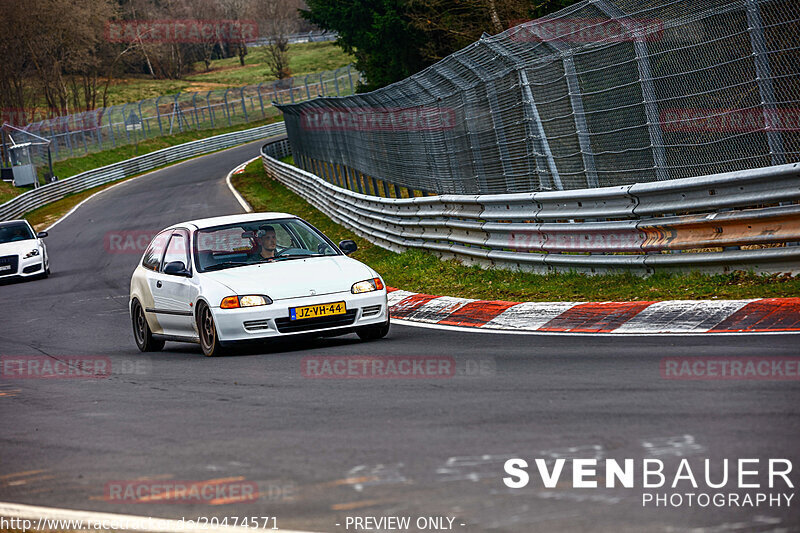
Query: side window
[[283, 237], [178, 249], [152, 256]]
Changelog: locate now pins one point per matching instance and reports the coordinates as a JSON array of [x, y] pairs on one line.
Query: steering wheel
[[278, 253]]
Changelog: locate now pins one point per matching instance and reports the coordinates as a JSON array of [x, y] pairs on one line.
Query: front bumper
[[21, 268], [272, 321]]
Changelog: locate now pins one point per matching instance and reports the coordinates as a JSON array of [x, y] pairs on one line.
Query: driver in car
[[267, 243]]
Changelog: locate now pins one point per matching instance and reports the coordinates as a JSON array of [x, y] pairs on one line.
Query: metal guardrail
[[639, 228], [36, 198]]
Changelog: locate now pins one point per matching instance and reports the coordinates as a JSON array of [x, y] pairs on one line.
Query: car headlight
[[32, 253], [368, 285], [249, 300]]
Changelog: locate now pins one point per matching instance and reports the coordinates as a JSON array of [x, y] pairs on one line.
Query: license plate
[[5, 267], [316, 311]]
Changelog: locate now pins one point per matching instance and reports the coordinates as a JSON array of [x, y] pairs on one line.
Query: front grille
[[371, 310], [256, 325], [31, 268], [11, 260], [286, 325]]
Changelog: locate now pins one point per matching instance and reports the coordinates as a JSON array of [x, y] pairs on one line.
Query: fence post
[[194, 111], [261, 100], [497, 118], [158, 116], [765, 89], [141, 117], [210, 109], [227, 109], [350, 76], [244, 105], [648, 89], [308, 91], [529, 104], [336, 81]]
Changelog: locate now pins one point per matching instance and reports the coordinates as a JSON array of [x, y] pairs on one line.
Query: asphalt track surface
[[325, 449]]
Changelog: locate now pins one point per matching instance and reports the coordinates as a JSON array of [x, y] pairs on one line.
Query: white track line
[[244, 203], [472, 329], [128, 180], [38, 515]]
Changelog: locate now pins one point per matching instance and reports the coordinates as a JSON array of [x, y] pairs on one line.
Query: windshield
[[265, 241], [15, 232]]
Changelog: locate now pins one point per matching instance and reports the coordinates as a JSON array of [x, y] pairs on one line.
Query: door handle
[[158, 284]]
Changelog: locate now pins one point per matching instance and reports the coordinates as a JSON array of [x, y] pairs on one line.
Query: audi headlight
[[368, 285], [32, 253], [249, 300]]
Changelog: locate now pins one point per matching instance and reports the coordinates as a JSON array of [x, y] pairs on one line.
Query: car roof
[[232, 219]]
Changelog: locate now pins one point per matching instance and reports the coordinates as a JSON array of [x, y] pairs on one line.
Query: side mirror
[[41, 234], [348, 246], [177, 268]]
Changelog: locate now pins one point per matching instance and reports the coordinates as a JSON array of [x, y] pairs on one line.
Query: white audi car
[[22, 252], [225, 280]]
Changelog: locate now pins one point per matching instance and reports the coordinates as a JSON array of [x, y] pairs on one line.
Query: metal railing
[[601, 93], [108, 127], [740, 220], [51, 192]]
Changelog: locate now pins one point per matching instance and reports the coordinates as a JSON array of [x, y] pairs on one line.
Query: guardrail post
[[648, 88], [772, 122]]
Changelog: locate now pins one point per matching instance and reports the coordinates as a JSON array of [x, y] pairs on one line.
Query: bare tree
[[278, 19]]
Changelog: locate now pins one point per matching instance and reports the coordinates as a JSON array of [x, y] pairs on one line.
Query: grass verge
[[421, 271]]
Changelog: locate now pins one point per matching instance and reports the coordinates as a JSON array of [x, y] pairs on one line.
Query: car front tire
[[207, 330], [371, 333], [141, 330]]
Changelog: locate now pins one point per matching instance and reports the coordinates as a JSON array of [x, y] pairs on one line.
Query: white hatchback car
[[220, 281], [22, 252]]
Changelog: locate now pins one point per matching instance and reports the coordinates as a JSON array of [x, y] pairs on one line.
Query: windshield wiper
[[296, 256], [226, 264]]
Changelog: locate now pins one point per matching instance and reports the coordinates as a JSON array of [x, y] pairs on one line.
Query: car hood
[[294, 277], [18, 247]]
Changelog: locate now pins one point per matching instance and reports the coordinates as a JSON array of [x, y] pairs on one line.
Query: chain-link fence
[[603, 93], [108, 127]]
